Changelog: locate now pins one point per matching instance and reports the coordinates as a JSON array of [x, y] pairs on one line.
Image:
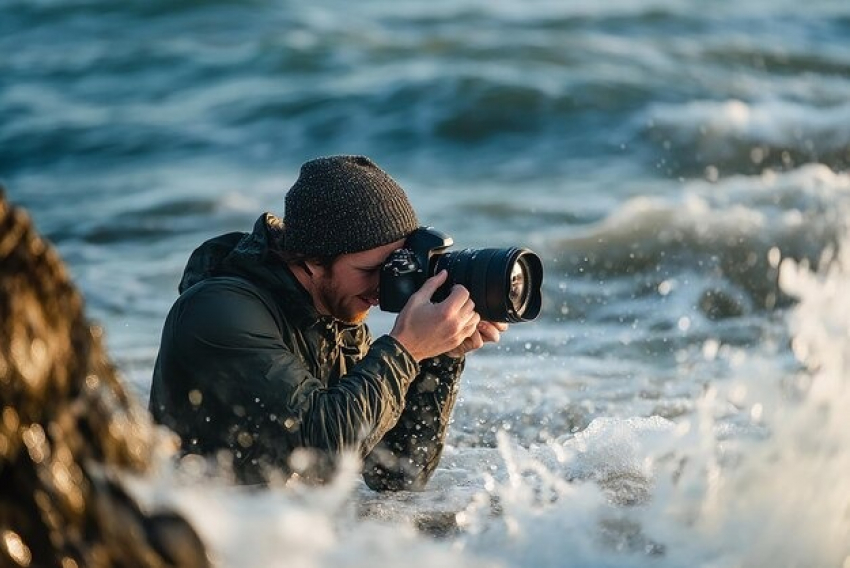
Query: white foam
[[717, 496], [771, 122], [786, 210], [781, 501], [623, 492]]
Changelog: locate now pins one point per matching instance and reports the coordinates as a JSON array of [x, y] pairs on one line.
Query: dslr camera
[[503, 283]]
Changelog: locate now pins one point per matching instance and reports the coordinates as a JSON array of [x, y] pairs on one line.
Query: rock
[[68, 428]]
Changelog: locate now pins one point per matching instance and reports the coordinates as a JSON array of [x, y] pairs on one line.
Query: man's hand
[[427, 329], [486, 332]]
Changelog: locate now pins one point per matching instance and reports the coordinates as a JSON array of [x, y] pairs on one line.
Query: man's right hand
[[427, 329]]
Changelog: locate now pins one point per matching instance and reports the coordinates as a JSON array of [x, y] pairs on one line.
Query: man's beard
[[333, 301]]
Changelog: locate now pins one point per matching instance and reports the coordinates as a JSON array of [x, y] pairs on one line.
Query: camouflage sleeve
[[406, 457]]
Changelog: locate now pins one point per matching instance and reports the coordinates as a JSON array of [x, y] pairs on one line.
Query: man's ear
[[311, 268]]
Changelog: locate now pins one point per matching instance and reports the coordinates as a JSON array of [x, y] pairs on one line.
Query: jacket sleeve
[[408, 454], [237, 384]]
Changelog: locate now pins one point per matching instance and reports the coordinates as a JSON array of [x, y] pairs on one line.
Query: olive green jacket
[[246, 364]]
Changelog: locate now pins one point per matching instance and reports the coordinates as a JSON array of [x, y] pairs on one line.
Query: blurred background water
[[669, 160]]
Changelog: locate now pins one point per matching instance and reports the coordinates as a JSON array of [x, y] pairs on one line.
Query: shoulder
[[222, 285], [226, 305]]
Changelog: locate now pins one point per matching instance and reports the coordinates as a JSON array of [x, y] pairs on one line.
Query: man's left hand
[[486, 332]]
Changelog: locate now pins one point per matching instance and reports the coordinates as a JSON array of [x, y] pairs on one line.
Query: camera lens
[[503, 283]]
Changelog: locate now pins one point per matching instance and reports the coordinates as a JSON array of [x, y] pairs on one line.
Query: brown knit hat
[[344, 204]]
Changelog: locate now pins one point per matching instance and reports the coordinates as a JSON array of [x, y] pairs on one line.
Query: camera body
[[407, 269], [504, 284]]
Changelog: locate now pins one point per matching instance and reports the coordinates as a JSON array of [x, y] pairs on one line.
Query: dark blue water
[[662, 156]]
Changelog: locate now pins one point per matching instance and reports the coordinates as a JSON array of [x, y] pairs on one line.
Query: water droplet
[[36, 443], [16, 548], [245, 439], [774, 255], [196, 397], [710, 349]]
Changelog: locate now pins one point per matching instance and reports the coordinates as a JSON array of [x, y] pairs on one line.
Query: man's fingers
[[473, 342], [477, 341], [489, 333], [430, 286], [457, 298], [471, 326], [467, 308]]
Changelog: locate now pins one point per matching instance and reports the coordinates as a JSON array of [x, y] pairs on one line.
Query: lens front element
[[503, 283], [518, 286]]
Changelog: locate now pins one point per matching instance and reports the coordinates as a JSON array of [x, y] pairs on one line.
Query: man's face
[[349, 287]]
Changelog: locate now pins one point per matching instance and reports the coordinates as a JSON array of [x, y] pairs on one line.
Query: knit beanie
[[344, 204]]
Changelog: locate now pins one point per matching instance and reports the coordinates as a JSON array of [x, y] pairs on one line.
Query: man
[[265, 353]]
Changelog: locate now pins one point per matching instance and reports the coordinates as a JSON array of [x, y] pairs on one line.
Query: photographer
[[265, 353]]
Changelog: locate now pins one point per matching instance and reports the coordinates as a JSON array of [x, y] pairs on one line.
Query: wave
[[737, 229], [560, 83], [734, 136]]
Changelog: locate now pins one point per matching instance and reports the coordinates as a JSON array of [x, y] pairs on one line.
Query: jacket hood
[[250, 255]]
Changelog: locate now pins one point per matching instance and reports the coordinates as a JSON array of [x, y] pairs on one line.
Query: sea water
[[680, 167]]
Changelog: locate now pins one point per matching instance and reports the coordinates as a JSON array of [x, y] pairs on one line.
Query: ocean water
[[680, 166]]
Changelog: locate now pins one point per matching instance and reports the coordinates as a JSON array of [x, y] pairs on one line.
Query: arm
[[409, 453]]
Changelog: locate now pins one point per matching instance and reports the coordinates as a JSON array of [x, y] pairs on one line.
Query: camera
[[504, 284]]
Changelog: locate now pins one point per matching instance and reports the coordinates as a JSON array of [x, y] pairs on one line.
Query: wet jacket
[[246, 364]]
